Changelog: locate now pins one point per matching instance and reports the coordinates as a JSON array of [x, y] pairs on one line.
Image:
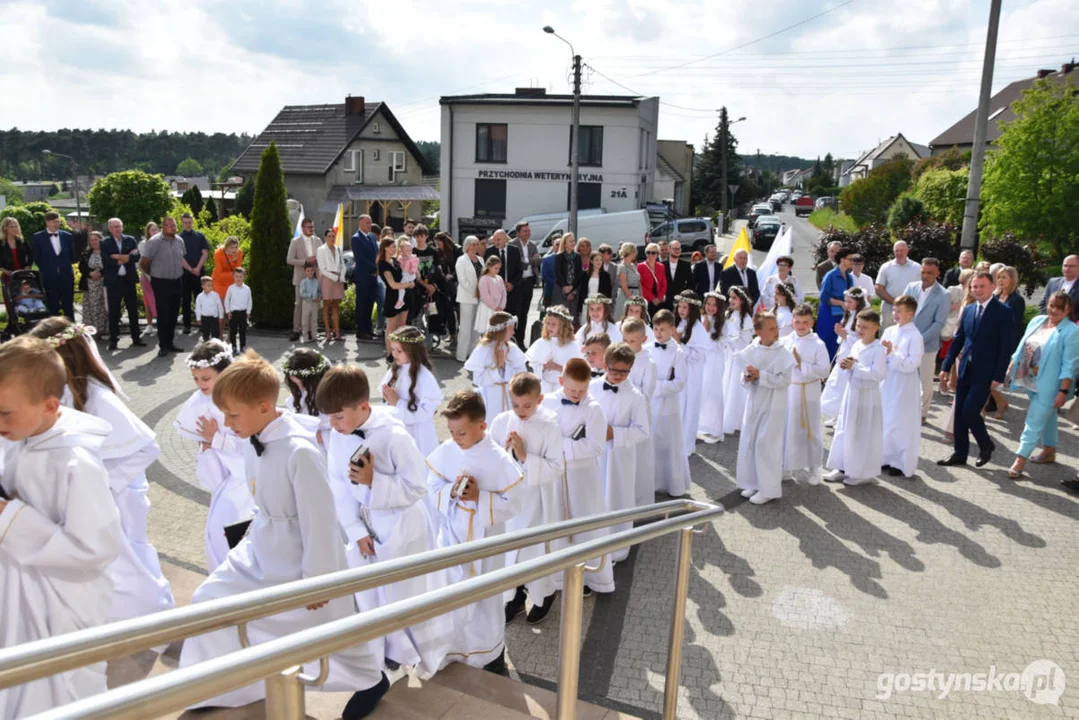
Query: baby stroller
[[25, 309]]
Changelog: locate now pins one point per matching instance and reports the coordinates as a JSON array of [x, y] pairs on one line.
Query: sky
[[810, 77]]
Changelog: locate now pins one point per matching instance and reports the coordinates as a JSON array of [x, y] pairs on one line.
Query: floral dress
[[94, 311]]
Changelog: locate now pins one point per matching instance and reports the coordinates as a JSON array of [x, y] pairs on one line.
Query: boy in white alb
[[672, 464], [381, 501], [643, 377], [209, 310], [594, 349], [901, 391], [238, 310], [476, 488], [584, 440], [59, 526], [626, 411], [531, 435], [767, 375], [804, 446]]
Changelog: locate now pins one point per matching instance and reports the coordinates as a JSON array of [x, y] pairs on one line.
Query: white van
[[542, 223], [631, 226]]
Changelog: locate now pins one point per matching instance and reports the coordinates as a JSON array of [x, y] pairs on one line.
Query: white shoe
[[760, 499], [710, 439], [859, 481], [813, 478], [748, 493], [834, 476]]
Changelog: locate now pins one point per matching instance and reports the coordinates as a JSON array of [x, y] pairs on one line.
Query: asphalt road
[[803, 244]]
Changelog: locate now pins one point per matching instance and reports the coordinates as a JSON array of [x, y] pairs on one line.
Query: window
[[397, 164], [662, 231], [376, 154], [692, 226], [491, 198], [354, 163], [491, 143], [588, 195], [589, 147]]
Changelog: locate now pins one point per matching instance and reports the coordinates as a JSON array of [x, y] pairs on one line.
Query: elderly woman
[[653, 279], [627, 278], [567, 273], [467, 269], [14, 255], [148, 300], [227, 258], [782, 275], [1045, 365], [92, 284]]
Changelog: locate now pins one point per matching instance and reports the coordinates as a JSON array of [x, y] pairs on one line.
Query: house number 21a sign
[[620, 193]]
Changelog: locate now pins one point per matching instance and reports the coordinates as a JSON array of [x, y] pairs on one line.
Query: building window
[[589, 195], [354, 163], [491, 142], [397, 164], [491, 198], [589, 147]]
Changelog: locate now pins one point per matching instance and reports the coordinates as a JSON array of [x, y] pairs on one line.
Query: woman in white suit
[[331, 272], [468, 269]]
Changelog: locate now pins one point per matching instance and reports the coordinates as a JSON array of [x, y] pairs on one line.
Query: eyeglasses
[[652, 252]]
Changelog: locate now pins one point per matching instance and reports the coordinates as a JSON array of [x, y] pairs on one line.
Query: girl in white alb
[[555, 347], [637, 307], [303, 369], [737, 334], [694, 340], [784, 308], [715, 363], [410, 386], [494, 362], [832, 396], [599, 321]]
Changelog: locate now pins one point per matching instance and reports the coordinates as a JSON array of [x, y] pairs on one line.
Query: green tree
[[944, 193], [708, 170], [245, 197], [11, 191], [189, 167], [869, 199], [211, 208], [31, 217], [192, 197], [132, 195], [1031, 186], [906, 209], [270, 237]]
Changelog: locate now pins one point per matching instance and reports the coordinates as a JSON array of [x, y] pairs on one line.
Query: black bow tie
[[257, 444], [612, 388], [597, 373], [360, 433], [54, 235], [567, 401], [661, 346]]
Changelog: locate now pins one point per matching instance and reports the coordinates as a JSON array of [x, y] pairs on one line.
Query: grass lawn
[[826, 217]]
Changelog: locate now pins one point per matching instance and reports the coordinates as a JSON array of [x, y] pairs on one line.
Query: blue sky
[[837, 83]]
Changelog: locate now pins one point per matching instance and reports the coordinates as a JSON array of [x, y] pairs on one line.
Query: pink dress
[[492, 299]]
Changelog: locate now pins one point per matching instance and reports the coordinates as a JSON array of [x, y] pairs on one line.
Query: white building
[[505, 157]]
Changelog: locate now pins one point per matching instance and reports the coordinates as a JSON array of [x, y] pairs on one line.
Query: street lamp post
[[575, 131], [75, 172], [723, 126]]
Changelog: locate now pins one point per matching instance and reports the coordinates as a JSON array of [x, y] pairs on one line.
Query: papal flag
[[299, 224], [742, 243], [339, 225]]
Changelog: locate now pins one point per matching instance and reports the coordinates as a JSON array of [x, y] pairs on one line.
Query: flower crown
[[500, 326], [560, 313], [855, 293], [399, 337], [70, 333], [717, 296], [637, 300], [322, 366], [597, 300], [225, 353], [787, 289], [687, 299]]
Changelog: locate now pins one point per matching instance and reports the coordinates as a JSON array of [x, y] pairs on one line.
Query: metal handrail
[[42, 658], [176, 690]]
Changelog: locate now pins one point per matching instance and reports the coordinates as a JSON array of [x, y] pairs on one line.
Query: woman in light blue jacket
[[1045, 365]]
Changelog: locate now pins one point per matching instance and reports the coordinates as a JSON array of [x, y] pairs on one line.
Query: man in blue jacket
[[365, 276], [53, 251]]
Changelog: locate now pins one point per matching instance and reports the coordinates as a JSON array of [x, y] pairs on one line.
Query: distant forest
[[100, 152], [773, 163]]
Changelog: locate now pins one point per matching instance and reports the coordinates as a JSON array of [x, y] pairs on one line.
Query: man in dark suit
[[741, 274], [530, 275], [966, 260], [120, 257], [512, 269], [53, 251], [679, 274], [1069, 283], [707, 272], [985, 336], [365, 276]]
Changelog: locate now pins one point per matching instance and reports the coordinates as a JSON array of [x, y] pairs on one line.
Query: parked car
[[765, 232], [693, 233], [803, 205], [350, 265], [542, 223], [611, 228], [823, 202], [776, 203], [758, 210]]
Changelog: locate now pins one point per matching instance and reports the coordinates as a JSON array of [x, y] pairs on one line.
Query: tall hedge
[[270, 276]]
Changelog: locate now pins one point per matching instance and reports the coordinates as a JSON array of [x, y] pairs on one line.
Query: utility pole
[[724, 204], [574, 145], [981, 122]]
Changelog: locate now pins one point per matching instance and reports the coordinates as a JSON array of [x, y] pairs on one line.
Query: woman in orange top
[[227, 258]]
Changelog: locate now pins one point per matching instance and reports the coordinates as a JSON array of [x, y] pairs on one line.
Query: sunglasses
[[651, 252]]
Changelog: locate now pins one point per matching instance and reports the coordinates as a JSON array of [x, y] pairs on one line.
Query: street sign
[[733, 189]]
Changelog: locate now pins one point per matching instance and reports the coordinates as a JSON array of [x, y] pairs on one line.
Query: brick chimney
[[1045, 73], [1067, 68], [354, 105]]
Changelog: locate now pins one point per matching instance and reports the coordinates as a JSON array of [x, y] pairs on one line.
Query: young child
[[584, 441], [294, 535], [711, 422], [804, 446], [737, 334], [594, 350], [492, 290], [784, 308], [477, 488], [855, 457], [310, 294], [219, 466], [695, 344], [410, 268], [626, 411], [238, 310], [557, 344], [530, 433], [59, 528], [411, 387], [643, 377], [598, 308], [381, 502], [767, 375], [672, 463], [129, 449], [495, 360], [637, 307], [209, 310], [901, 391], [29, 300], [853, 303], [303, 370]]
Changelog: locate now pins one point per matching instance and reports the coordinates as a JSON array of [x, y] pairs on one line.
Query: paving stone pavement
[[796, 608]]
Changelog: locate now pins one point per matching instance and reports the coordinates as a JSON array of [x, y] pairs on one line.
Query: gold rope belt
[[807, 425]]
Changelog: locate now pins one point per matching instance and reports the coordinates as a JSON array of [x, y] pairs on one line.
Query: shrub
[[132, 195], [192, 197], [1025, 258], [944, 194], [869, 199], [245, 197], [931, 240], [31, 217], [873, 242], [905, 210], [217, 232], [271, 232]]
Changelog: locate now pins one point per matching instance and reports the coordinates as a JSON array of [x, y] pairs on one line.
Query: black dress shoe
[[294, 337], [516, 606], [113, 345], [363, 703], [173, 348], [187, 331], [587, 591], [498, 665], [1072, 485], [894, 472], [985, 457], [952, 461], [539, 613], [163, 352], [138, 343]]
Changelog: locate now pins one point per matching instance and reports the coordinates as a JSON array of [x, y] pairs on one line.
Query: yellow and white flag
[[339, 225], [742, 243]]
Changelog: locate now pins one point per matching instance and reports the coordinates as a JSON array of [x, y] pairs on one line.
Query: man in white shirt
[[863, 281], [301, 254], [893, 278]]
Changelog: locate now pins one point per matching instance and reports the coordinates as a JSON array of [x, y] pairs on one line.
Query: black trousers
[[123, 291], [211, 327], [366, 293], [60, 296], [167, 298], [238, 329], [969, 401], [192, 286], [524, 291]]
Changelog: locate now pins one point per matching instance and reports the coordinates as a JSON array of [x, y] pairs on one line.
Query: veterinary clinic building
[[505, 157]]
